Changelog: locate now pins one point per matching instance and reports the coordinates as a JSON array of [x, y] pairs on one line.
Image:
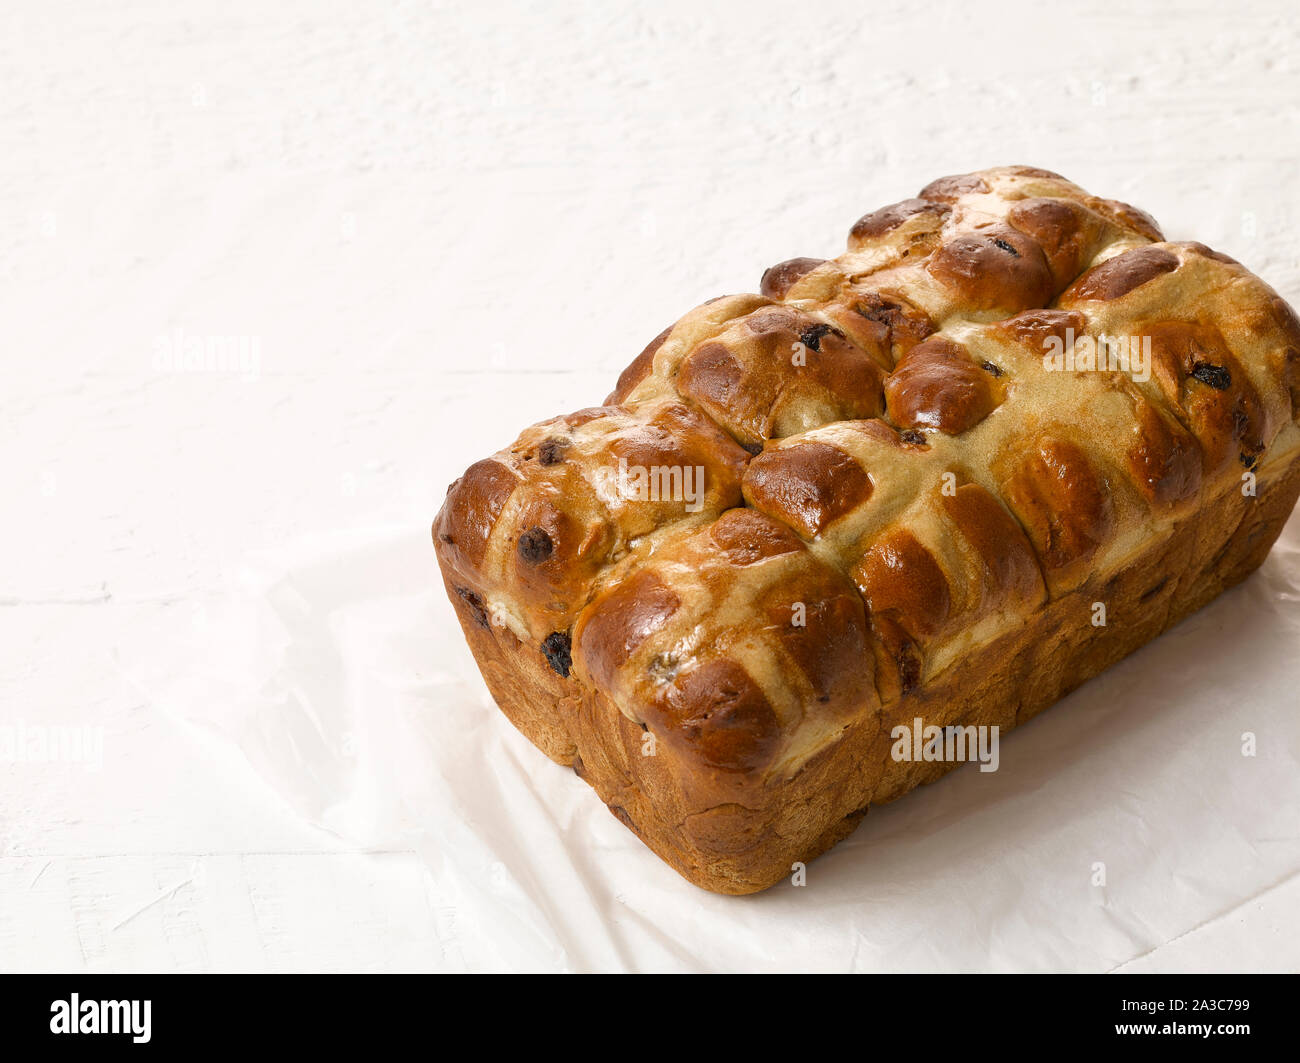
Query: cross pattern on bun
[[804, 515]]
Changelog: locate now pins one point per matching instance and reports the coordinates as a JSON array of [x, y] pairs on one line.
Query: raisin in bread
[[893, 485]]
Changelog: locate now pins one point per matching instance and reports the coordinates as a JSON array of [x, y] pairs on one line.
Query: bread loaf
[[900, 484]]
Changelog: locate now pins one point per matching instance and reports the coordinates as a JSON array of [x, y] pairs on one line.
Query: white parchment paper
[[338, 669]]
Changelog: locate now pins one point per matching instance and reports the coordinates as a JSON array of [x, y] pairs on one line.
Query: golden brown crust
[[1062, 501], [1118, 276], [885, 220], [1067, 233], [716, 714], [779, 371], [937, 385], [638, 370], [807, 485], [778, 279], [887, 327], [892, 485], [1165, 459], [997, 269], [1008, 572], [623, 618], [951, 189]]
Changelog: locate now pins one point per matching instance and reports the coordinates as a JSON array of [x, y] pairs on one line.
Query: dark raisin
[[909, 667], [444, 537], [882, 311], [1216, 376], [911, 435], [1006, 247], [558, 650], [475, 604], [753, 448], [1249, 460], [811, 337], [535, 546], [989, 367], [551, 452]]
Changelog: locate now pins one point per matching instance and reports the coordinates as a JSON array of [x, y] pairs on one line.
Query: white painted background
[[441, 222]]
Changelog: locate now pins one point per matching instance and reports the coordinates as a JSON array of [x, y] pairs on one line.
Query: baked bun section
[[937, 385], [726, 644], [1063, 501], [996, 269], [892, 484], [912, 226], [886, 326], [779, 371], [533, 530], [1067, 234], [808, 485]]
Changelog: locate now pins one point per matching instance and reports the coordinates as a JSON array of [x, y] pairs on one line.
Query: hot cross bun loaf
[[902, 483]]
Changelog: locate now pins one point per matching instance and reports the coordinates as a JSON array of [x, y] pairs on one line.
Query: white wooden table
[[422, 226]]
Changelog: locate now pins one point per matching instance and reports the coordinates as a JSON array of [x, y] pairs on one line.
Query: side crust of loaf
[[736, 849]]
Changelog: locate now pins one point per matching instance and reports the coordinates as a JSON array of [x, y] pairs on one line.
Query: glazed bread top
[[798, 506]]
